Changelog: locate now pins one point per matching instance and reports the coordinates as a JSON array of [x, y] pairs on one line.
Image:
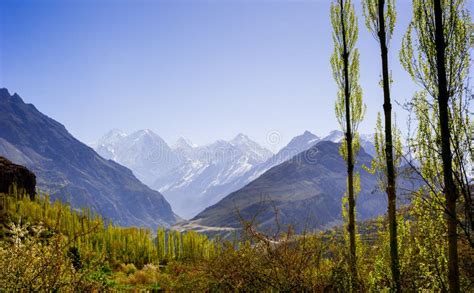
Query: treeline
[[91, 235], [49, 246]]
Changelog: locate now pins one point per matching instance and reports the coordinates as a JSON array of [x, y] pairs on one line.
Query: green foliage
[[74, 245], [345, 34], [418, 55], [88, 235], [372, 20], [379, 162], [97, 258]]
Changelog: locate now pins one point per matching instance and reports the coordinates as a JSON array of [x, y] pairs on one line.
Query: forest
[[425, 244]]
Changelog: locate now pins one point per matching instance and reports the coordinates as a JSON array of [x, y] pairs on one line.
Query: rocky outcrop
[[12, 174]]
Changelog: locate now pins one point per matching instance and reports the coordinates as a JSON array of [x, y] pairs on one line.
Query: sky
[[205, 70]]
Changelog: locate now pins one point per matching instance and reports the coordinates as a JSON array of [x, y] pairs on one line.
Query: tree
[[380, 17], [349, 107], [435, 53]]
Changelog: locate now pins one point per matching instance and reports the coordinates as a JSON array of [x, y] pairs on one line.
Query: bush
[[31, 263]]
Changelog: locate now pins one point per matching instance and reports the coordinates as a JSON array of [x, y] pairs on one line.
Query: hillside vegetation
[[49, 246]]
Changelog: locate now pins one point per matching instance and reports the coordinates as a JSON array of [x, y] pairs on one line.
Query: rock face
[[72, 172], [11, 174]]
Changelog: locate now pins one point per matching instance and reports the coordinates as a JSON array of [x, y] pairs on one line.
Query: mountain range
[[194, 177], [191, 177], [305, 180], [73, 172]]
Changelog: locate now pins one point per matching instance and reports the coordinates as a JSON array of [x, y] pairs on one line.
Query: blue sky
[[205, 70]]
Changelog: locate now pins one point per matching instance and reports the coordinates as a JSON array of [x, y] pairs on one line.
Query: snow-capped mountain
[[194, 177], [208, 172], [111, 137], [143, 151], [207, 179], [334, 136], [366, 140], [297, 145]]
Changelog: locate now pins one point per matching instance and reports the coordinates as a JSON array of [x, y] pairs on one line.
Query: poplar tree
[[435, 52], [380, 17], [349, 107]]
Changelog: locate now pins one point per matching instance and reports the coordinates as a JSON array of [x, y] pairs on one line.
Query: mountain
[[110, 138], [143, 151], [366, 140], [208, 172], [297, 145], [334, 136], [184, 148], [194, 177], [73, 172], [306, 190]]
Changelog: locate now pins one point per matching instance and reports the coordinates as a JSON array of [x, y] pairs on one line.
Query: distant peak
[[143, 134], [145, 131], [241, 135], [368, 137], [308, 133], [336, 132], [111, 136], [335, 136], [240, 138], [115, 131], [184, 142]]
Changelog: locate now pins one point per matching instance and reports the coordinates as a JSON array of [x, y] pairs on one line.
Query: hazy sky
[[205, 70]]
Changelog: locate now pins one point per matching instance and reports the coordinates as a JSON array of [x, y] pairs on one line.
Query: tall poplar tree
[[380, 17], [435, 52], [349, 107]]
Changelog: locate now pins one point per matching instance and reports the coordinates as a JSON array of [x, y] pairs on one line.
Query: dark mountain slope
[[73, 172], [306, 190]]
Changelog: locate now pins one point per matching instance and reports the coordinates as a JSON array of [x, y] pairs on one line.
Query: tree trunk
[[391, 187], [350, 159], [449, 185]]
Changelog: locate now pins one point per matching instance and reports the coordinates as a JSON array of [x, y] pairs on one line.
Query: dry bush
[[31, 263]]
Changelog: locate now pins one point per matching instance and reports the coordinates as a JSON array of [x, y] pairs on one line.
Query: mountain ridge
[[72, 171], [202, 175], [307, 190]]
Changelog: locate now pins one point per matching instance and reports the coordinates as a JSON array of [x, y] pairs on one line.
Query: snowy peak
[[143, 151], [111, 137], [183, 143], [303, 142], [334, 136], [185, 149], [368, 137], [297, 145], [251, 148], [241, 139], [209, 171], [146, 135], [366, 140]]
